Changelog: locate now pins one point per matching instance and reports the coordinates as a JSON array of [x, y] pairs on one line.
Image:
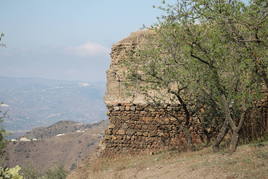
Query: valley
[[37, 102]]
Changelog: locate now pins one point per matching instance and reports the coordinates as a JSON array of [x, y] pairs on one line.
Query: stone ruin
[[138, 127]]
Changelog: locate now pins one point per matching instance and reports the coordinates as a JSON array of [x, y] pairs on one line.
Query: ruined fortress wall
[[116, 90], [136, 126]]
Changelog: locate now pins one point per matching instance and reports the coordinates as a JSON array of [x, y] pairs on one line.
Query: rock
[[127, 108], [139, 133], [121, 132], [111, 126], [124, 126], [130, 132], [116, 108], [108, 132], [132, 108]]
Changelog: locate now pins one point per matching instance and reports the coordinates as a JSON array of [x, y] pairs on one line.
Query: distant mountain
[[58, 128], [35, 102], [66, 150]]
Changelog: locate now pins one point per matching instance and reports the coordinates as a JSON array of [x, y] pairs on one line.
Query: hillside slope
[[67, 150], [250, 161]]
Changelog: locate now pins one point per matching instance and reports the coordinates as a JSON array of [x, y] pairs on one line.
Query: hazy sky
[[67, 39]]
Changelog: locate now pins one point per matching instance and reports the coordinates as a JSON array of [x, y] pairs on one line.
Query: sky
[[67, 39]]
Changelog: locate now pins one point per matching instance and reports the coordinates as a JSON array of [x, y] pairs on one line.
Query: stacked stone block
[[144, 128]]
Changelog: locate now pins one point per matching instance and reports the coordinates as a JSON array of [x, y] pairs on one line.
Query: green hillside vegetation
[[2, 136]]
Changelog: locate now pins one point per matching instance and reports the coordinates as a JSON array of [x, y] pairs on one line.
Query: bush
[[56, 173], [53, 173], [30, 173], [10, 173]]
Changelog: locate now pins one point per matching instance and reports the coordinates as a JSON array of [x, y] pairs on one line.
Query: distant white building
[[80, 131], [84, 84], [24, 139], [60, 135], [4, 105]]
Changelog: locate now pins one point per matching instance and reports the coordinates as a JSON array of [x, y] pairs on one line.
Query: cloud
[[88, 49]]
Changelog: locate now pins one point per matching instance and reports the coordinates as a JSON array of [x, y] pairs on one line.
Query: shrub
[[10, 173], [55, 173]]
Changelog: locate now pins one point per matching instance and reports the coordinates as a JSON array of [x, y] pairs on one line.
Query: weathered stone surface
[[111, 126], [116, 91], [117, 108]]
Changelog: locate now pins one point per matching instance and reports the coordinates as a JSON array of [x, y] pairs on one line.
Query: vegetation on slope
[[251, 161]]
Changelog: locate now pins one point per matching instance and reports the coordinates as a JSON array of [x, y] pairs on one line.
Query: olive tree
[[210, 58], [159, 71]]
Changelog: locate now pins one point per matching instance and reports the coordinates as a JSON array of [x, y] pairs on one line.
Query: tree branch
[[184, 106]]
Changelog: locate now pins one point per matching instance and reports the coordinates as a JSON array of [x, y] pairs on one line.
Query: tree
[[2, 116], [210, 58], [1, 36], [7, 173], [2, 134], [162, 74]]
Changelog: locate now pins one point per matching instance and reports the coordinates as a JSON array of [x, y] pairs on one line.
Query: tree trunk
[[221, 135], [207, 138], [188, 136], [234, 141], [231, 123], [185, 127]]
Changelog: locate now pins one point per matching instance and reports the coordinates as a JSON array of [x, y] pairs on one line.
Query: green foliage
[[208, 56], [2, 133], [30, 173], [56, 173], [10, 173], [53, 173], [1, 36]]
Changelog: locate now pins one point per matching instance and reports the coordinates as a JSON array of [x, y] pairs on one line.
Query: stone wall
[[135, 128]]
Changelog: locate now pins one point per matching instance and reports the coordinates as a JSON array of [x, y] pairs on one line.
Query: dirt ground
[[250, 161]]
